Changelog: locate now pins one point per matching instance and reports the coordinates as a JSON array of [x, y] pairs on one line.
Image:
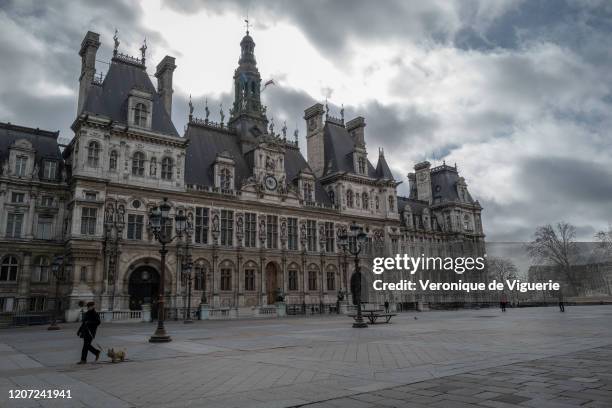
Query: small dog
[[119, 355]]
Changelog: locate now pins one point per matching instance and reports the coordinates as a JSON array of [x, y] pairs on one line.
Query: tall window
[[362, 165], [138, 162], [311, 235], [226, 279], [225, 179], [391, 203], [50, 170], [332, 196], [350, 201], [466, 222], [312, 280], [88, 221], [308, 192], [9, 268], [201, 225], [135, 225], [21, 163], [250, 230], [44, 228], [365, 201], [93, 154], [46, 201], [377, 203], [13, 225], [153, 167], [249, 279], [272, 231], [329, 237], [112, 161], [41, 270], [227, 227], [293, 279], [7, 304], [140, 115], [167, 168], [200, 278], [331, 281], [292, 234]]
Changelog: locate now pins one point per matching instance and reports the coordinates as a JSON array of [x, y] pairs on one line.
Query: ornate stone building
[[263, 217]]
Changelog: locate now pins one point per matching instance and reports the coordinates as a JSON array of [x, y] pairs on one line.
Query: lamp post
[[57, 268], [359, 237], [160, 224]]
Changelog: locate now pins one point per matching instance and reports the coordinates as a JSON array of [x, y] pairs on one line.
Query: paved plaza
[[532, 357]]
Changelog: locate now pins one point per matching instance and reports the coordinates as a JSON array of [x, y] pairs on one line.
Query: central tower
[[247, 115]]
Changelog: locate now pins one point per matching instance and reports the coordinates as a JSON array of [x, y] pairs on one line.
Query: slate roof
[[382, 168], [44, 142], [204, 144], [339, 146], [111, 97], [444, 185]]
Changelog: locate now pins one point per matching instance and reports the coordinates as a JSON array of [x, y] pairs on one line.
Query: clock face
[[270, 183]]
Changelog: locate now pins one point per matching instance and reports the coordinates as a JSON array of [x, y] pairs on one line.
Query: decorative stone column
[[23, 288]]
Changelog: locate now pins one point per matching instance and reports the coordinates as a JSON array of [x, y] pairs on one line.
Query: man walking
[[503, 301], [386, 306], [561, 303], [91, 321]]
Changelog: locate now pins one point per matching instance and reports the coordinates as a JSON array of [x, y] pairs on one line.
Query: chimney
[[423, 181], [163, 74], [356, 127], [89, 48], [412, 185], [314, 138]]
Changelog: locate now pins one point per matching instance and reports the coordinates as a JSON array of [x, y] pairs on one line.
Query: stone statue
[[190, 106], [116, 39], [295, 134], [272, 126], [270, 163], [143, 50], [284, 130], [222, 114], [342, 112], [207, 110]]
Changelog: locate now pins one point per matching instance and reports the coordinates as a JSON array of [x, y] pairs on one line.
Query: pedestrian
[[386, 306], [561, 304], [503, 301], [87, 331]]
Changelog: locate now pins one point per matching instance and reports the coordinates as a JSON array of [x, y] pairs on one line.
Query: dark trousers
[[503, 306], [561, 307], [88, 347]]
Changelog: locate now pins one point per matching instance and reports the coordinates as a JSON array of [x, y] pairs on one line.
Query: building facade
[[264, 218]]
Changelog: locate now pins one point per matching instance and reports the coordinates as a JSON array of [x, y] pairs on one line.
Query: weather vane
[[143, 49]]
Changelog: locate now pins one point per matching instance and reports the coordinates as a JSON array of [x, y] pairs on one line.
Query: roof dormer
[[140, 108]]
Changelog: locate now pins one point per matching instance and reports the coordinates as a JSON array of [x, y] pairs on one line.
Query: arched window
[[308, 192], [93, 154], [332, 196], [138, 161], [350, 199], [226, 279], [9, 268], [166, 172], [225, 179], [41, 270], [112, 163], [362, 165], [200, 278], [391, 203], [140, 115], [153, 167], [365, 201], [466, 222]]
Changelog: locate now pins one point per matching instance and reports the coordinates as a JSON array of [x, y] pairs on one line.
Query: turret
[[164, 72], [314, 138], [88, 51]]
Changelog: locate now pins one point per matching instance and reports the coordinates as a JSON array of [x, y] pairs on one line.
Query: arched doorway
[[271, 282], [143, 287]]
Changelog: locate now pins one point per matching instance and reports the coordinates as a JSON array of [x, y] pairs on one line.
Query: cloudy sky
[[517, 93]]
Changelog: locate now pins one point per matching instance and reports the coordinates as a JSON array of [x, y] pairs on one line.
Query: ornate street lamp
[[160, 224], [356, 233], [57, 269], [187, 265]]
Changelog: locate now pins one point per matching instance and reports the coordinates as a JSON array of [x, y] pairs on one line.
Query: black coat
[[91, 321]]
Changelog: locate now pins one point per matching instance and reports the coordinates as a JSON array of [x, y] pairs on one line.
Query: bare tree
[[605, 239], [556, 246], [501, 269]]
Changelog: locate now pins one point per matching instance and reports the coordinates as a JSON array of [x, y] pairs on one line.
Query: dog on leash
[[115, 356]]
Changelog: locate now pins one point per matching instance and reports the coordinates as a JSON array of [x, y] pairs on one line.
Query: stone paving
[[533, 357]]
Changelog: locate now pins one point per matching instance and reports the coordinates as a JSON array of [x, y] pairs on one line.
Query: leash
[[95, 343]]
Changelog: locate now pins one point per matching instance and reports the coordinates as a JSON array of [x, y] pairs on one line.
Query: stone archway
[[143, 288], [272, 282]]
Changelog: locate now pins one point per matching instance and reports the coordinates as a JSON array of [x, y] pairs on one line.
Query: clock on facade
[[271, 182]]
